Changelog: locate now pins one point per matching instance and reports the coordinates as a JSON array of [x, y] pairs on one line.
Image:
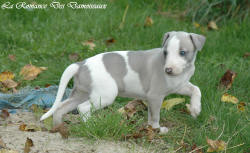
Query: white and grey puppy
[[150, 75]]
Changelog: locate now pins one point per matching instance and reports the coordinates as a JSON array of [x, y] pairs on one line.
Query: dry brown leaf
[[22, 127], [74, 56], [9, 83], [247, 54], [6, 75], [62, 129], [241, 106], [148, 21], [12, 57], [132, 107], [110, 41], [30, 72], [90, 44], [170, 103], [32, 128], [227, 79], [212, 25], [229, 98], [4, 114], [197, 150], [28, 144], [215, 145]]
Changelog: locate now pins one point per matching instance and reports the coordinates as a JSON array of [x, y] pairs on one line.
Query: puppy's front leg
[[154, 106], [194, 92]]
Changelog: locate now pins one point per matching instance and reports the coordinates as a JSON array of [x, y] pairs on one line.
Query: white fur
[[66, 76], [104, 88], [174, 60]]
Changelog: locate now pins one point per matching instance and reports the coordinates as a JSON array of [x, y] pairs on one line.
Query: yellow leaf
[[229, 98], [6, 75], [241, 106], [148, 22], [212, 25], [196, 25], [168, 104], [30, 72], [215, 145]]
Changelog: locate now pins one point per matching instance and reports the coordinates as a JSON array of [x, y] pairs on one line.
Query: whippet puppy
[[150, 75]]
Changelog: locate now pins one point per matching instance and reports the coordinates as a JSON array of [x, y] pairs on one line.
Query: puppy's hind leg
[[67, 106]]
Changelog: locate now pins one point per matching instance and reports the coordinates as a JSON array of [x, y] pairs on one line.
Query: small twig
[[184, 133], [124, 17], [236, 146], [178, 149]]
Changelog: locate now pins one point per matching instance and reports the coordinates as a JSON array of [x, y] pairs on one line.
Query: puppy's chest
[[174, 83]]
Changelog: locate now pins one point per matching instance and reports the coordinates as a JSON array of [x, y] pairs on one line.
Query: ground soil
[[46, 142]]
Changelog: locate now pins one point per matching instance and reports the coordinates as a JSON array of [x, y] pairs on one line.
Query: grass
[[47, 37]]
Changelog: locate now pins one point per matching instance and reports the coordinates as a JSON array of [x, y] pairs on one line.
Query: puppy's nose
[[169, 70]]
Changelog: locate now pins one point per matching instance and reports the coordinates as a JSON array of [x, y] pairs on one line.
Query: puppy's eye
[[182, 53], [165, 53]]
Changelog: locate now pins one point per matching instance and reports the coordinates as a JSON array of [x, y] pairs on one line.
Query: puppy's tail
[[66, 76]]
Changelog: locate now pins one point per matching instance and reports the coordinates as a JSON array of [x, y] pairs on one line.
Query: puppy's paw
[[163, 130], [194, 110]]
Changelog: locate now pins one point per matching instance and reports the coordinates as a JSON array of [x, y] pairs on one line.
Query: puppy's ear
[[166, 36], [197, 40]]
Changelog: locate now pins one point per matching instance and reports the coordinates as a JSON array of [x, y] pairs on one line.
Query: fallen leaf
[[246, 55], [22, 127], [110, 41], [132, 107], [215, 145], [6, 75], [170, 103], [30, 72], [241, 106], [196, 25], [62, 129], [196, 149], [4, 114], [148, 21], [212, 25], [90, 44], [147, 132], [227, 79], [28, 144], [32, 128], [229, 98], [12, 57], [8, 151], [9, 83]]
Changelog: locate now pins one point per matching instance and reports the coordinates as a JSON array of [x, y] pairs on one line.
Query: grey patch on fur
[[116, 67], [139, 59], [82, 79], [198, 40]]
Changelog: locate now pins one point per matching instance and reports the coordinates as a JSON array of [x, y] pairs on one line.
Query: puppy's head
[[179, 50]]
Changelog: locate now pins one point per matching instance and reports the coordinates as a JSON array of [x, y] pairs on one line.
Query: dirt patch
[[45, 142]]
